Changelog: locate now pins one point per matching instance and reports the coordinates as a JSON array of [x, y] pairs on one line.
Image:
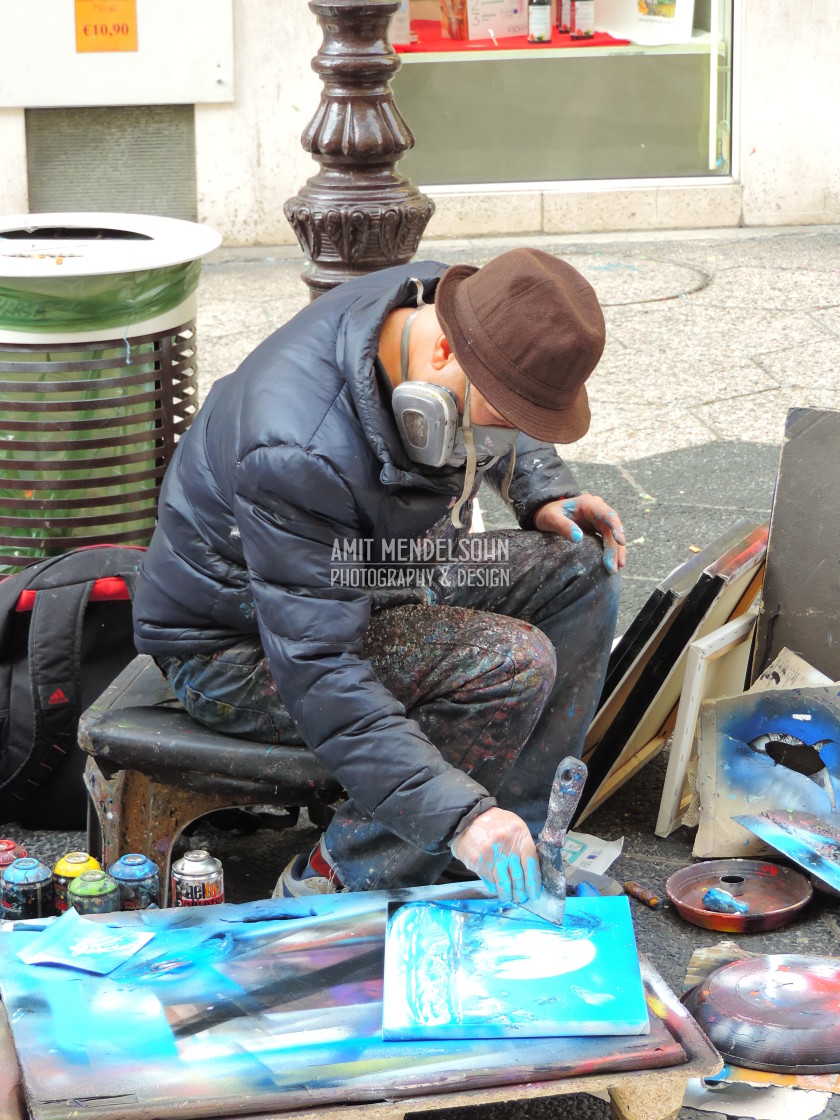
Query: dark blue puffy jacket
[[295, 451]]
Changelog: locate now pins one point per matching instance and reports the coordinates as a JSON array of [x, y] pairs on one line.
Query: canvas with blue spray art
[[480, 969], [777, 749], [263, 1007], [810, 841]]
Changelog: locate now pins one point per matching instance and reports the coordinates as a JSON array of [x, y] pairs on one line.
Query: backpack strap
[[55, 672], [11, 587]]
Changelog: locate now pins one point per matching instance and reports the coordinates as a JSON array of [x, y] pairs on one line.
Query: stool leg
[[138, 813], [98, 812], [94, 829]]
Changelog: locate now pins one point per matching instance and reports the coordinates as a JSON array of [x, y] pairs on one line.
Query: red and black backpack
[[65, 634]]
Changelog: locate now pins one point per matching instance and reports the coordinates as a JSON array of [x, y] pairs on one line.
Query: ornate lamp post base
[[357, 214]]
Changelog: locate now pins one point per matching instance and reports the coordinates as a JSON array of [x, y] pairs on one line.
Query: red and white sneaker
[[295, 883]]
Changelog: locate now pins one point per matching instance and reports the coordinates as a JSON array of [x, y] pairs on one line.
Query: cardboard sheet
[[764, 1102], [802, 584]]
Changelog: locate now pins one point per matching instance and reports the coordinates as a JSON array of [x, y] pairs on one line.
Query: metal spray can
[[94, 892], [26, 890], [138, 880], [67, 868], [9, 852], [197, 880]]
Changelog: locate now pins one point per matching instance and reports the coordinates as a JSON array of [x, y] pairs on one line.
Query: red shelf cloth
[[429, 39]]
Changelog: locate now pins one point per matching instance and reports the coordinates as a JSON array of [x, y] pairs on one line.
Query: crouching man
[[311, 577]]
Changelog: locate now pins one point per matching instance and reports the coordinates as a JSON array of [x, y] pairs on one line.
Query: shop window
[[646, 94]]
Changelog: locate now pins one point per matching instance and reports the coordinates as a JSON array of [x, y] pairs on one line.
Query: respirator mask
[[433, 433]]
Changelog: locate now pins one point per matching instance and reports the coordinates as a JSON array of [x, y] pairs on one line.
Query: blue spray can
[[26, 890], [139, 881]]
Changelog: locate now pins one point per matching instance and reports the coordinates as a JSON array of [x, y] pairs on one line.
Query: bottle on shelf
[[582, 19], [539, 21]]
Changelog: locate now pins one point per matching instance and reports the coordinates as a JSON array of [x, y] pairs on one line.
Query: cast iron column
[[357, 214]]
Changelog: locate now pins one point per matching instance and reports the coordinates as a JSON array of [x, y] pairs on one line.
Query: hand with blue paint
[[498, 847], [572, 517]]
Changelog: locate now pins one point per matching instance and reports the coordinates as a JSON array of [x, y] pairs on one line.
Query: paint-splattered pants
[[503, 679]]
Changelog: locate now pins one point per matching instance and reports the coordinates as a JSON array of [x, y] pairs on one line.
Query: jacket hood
[[357, 346]]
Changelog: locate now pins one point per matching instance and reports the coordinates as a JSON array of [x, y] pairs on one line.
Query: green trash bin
[[97, 374]]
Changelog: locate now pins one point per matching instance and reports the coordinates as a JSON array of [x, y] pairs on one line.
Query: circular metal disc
[[779, 1013], [774, 894]]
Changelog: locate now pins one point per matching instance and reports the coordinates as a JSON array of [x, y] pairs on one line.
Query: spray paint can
[[197, 880], [9, 852], [138, 880], [93, 892], [26, 890], [67, 868]]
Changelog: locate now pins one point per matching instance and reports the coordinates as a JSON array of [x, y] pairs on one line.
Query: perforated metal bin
[[97, 374]]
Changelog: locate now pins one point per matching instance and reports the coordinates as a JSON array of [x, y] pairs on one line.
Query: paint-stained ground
[[712, 336]]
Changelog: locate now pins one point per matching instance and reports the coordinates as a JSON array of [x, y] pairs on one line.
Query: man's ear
[[441, 351]]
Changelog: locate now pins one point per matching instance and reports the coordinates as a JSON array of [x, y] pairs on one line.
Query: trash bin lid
[[97, 244]]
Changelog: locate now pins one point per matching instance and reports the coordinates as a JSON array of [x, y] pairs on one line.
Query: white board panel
[[184, 56]]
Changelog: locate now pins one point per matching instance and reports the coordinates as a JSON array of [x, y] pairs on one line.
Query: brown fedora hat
[[527, 329]]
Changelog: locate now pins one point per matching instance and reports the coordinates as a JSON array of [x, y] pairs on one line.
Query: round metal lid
[[779, 1013]]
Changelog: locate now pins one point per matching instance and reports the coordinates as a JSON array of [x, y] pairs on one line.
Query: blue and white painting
[[777, 749], [480, 969]]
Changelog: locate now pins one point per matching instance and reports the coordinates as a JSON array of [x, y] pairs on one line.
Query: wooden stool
[[152, 770]]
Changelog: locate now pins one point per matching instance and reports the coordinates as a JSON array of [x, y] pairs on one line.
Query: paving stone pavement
[[711, 337]]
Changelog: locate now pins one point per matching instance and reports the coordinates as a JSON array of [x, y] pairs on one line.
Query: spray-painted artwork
[[264, 1007], [778, 749], [476, 969], [811, 842]]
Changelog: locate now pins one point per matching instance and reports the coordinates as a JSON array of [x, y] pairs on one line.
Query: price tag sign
[[106, 25]]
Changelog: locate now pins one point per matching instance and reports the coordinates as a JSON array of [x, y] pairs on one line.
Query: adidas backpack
[[65, 633]]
